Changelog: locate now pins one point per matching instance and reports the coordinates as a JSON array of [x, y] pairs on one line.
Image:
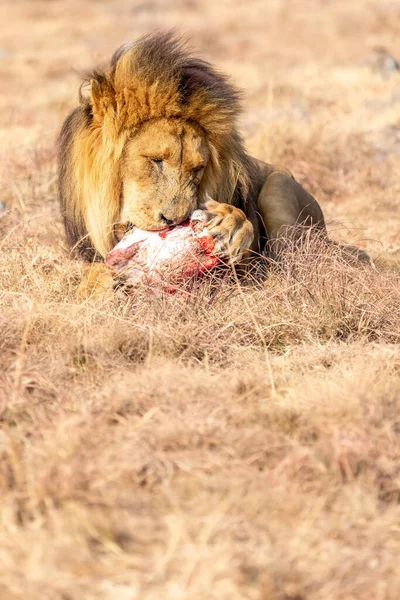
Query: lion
[[155, 137]]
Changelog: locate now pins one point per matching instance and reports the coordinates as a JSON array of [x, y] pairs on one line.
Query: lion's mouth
[[159, 222]]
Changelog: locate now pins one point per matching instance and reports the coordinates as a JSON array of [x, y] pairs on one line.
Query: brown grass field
[[246, 444]]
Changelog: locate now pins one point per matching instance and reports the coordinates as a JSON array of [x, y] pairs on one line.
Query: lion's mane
[[155, 77]]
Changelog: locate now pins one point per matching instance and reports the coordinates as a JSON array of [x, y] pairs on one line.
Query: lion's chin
[[147, 227], [158, 226], [125, 226]]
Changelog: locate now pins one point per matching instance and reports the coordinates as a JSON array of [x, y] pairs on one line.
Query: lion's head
[[161, 171], [154, 135]]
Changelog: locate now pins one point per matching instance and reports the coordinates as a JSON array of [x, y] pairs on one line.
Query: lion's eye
[[197, 170], [157, 161]]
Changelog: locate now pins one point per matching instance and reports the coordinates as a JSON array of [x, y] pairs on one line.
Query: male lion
[[157, 137]]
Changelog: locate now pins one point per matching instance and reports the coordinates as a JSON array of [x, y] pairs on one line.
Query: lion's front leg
[[232, 231]]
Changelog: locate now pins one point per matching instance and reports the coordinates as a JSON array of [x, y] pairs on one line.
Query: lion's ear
[[102, 96]]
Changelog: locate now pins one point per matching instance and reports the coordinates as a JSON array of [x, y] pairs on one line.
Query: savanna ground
[[245, 444]]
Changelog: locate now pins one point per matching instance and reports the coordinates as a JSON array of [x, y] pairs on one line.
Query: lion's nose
[[166, 221]]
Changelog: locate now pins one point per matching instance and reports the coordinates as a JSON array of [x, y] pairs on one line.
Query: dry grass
[[244, 444]]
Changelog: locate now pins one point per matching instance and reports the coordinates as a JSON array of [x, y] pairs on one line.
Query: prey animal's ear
[[102, 97]]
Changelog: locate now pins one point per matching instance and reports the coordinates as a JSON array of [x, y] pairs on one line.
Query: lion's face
[[161, 170]]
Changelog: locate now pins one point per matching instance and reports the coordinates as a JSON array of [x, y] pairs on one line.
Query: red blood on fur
[[118, 255], [207, 244]]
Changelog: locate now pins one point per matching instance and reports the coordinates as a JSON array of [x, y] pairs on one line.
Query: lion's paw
[[232, 232], [97, 282]]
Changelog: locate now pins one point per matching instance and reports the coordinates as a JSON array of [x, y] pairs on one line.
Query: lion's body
[[155, 138]]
